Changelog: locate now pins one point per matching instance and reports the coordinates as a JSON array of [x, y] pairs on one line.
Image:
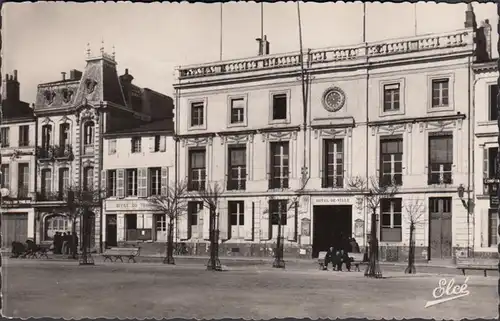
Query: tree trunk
[[411, 255], [278, 252], [169, 259], [213, 263], [74, 248], [373, 268]]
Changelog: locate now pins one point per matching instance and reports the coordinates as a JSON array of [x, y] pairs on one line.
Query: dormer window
[[136, 144]]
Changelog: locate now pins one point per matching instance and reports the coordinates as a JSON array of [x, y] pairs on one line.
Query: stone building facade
[[17, 140], [73, 114], [138, 163], [287, 153]]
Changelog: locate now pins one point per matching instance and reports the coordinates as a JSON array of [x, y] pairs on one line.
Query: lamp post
[[469, 206]]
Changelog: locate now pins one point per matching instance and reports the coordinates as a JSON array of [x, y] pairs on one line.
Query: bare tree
[[210, 197], [173, 204], [81, 201], [373, 191], [415, 210], [284, 207]]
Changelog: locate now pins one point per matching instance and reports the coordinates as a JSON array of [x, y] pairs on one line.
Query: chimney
[[75, 74], [127, 78], [263, 45], [470, 17], [10, 87], [487, 37], [63, 76]]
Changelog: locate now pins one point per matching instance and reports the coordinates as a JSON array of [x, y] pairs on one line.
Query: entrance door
[[14, 228], [161, 227], [440, 229], [111, 237], [332, 225]]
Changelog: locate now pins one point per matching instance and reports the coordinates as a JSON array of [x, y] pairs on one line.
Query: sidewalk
[[248, 260]]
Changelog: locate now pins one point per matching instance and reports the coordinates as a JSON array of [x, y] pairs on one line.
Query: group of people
[[63, 243], [340, 256]]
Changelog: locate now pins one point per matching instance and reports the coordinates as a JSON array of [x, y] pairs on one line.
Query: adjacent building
[[288, 152], [73, 114], [17, 148]]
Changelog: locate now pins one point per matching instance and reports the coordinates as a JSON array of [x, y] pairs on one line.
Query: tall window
[[236, 212], [492, 227], [197, 169], [131, 181], [440, 159], [111, 186], [391, 161], [64, 134], [88, 178], [194, 209], [197, 116], [46, 136], [391, 97], [237, 168], [333, 173], [4, 137], [135, 144], [391, 220], [63, 180], [155, 181], [55, 224], [440, 92], [46, 187], [157, 140], [24, 180], [278, 211], [493, 110], [112, 146], [5, 176], [279, 106], [237, 110], [24, 135], [88, 133], [490, 169], [160, 227], [279, 165]]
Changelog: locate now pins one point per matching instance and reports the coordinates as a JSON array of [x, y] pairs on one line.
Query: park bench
[[477, 264], [120, 252], [357, 260]]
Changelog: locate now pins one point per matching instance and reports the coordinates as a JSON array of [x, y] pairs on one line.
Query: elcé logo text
[[447, 291]]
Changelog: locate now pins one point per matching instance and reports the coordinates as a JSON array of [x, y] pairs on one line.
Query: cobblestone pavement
[[53, 288]]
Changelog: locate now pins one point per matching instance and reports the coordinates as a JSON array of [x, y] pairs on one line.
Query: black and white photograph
[[250, 160]]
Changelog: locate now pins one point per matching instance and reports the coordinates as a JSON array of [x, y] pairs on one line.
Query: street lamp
[[469, 206]]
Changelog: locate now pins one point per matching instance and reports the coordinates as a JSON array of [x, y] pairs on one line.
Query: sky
[[43, 39]]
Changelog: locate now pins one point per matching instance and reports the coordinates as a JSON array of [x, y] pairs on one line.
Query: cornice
[[424, 119]]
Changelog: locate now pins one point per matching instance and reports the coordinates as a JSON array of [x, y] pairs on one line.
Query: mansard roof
[[162, 126]]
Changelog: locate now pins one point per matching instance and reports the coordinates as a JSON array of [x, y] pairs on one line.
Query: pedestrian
[[354, 245], [336, 261], [328, 257], [346, 259], [57, 243], [64, 243], [75, 239]]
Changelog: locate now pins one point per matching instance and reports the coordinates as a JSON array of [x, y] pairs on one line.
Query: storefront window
[[56, 223]]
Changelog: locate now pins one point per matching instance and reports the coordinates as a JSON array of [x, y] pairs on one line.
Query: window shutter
[[103, 181], [142, 182], [184, 228], [493, 102], [205, 213], [120, 183], [266, 225], [485, 168], [163, 143], [151, 144], [224, 224], [164, 180], [291, 223], [248, 220], [131, 145], [120, 227]]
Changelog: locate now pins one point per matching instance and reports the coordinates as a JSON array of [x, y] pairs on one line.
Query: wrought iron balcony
[[63, 152], [45, 153], [49, 196]]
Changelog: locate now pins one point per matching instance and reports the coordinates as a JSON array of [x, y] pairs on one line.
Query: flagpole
[[221, 31], [415, 17], [262, 20], [364, 22]]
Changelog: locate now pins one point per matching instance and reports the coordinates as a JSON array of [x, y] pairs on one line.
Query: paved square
[[34, 288]]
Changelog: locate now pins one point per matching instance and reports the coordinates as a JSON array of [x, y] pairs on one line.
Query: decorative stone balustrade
[[461, 38]]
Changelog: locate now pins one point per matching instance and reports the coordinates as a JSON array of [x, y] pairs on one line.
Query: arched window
[[56, 223], [46, 135], [88, 178], [88, 133]]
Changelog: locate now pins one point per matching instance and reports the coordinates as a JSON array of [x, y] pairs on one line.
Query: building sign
[[494, 201], [305, 227], [128, 205], [359, 225], [332, 200]]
